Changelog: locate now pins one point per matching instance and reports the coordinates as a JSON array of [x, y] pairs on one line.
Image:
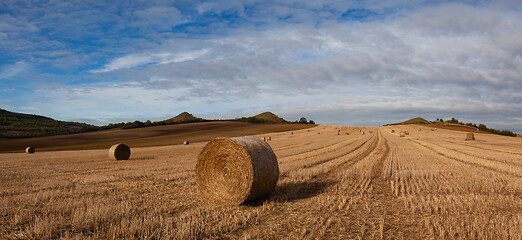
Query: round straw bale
[[318, 132], [362, 133], [406, 133], [236, 170], [119, 151], [347, 133], [292, 133], [29, 150], [186, 142], [269, 138], [470, 137], [432, 129], [338, 133], [402, 134], [393, 131], [420, 129]]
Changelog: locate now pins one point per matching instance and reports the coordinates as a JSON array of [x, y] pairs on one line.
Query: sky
[[336, 62]]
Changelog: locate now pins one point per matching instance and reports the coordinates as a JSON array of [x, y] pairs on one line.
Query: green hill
[[16, 125], [266, 117], [184, 117]]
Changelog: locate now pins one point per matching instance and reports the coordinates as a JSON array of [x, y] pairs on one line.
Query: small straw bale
[[393, 131], [338, 133], [470, 137], [318, 132], [29, 150], [362, 133], [347, 133], [269, 138], [186, 142], [119, 151], [292, 133], [370, 131], [406, 133], [402, 134], [236, 170], [420, 129], [432, 129]]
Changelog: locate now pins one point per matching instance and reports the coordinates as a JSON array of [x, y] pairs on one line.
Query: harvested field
[[146, 137], [429, 185]]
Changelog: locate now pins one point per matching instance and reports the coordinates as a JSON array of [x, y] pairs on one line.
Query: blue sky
[[336, 62]]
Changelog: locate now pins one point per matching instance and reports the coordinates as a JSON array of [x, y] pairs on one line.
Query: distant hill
[[184, 117], [266, 117], [16, 125], [413, 121], [270, 117]]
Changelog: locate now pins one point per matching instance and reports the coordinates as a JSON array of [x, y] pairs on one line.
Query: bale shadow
[[293, 191]]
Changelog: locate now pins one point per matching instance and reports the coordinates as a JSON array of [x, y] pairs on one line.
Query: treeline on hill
[[481, 127], [264, 121], [19, 125]]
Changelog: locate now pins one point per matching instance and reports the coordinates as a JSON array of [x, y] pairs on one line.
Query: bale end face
[[186, 142], [119, 152], [236, 170], [470, 137], [29, 150]]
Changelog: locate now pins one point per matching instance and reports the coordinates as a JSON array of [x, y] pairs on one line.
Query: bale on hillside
[[292, 133], [402, 134], [393, 131], [362, 133], [432, 129], [269, 138], [119, 151], [470, 137], [370, 131], [29, 150], [186, 142], [236, 170], [406, 133], [420, 129], [347, 133], [338, 133]]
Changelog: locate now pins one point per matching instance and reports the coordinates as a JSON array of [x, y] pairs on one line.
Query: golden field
[[430, 184]]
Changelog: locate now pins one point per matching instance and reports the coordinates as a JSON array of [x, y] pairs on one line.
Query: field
[[145, 137], [430, 184]]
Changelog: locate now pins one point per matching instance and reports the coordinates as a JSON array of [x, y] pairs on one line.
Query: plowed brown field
[[376, 185]]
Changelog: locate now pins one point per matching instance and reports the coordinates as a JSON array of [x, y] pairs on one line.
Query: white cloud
[[135, 60]]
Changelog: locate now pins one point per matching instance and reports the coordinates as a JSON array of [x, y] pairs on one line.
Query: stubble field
[[376, 185]]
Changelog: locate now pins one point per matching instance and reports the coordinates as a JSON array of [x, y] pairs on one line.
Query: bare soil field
[[145, 137], [376, 185]]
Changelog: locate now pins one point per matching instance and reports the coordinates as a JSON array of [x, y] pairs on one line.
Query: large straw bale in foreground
[[236, 170], [119, 152], [29, 150], [470, 137]]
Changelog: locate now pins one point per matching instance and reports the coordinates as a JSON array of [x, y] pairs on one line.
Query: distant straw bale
[[236, 170], [419, 129], [269, 138], [393, 131], [338, 133], [292, 133], [406, 133], [186, 143], [347, 133], [402, 134], [470, 137], [119, 152], [29, 150]]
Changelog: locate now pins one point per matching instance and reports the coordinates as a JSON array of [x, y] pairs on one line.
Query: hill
[[16, 125], [417, 120], [184, 117], [270, 117]]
